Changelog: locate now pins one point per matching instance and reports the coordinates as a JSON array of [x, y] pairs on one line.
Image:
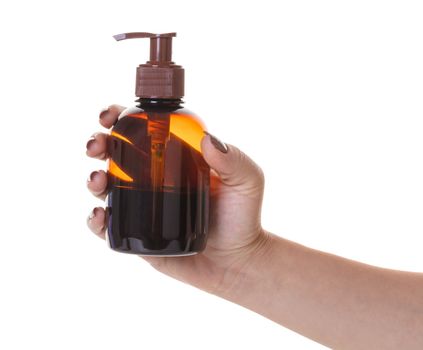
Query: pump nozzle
[[159, 77], [160, 45]]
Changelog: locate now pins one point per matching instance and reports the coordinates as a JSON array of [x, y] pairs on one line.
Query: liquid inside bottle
[[158, 181]]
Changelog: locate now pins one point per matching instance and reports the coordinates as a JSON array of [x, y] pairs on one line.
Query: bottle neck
[[159, 103]]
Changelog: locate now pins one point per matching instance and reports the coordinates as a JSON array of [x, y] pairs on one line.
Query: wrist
[[248, 268]]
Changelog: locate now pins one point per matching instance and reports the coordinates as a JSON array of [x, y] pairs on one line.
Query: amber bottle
[[158, 198]]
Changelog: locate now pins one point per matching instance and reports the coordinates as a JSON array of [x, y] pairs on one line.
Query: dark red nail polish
[[104, 112], [219, 145], [92, 214], [90, 142], [92, 176]]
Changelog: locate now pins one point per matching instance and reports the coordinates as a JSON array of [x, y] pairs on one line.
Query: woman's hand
[[340, 303], [236, 238]]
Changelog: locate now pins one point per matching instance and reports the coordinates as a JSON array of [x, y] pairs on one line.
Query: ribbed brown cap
[[159, 77]]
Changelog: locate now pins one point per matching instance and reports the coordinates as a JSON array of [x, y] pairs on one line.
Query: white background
[[325, 95]]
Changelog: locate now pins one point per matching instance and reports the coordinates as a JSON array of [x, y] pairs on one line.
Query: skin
[[337, 302]]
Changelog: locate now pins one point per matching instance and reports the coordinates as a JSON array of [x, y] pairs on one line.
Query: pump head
[[159, 77]]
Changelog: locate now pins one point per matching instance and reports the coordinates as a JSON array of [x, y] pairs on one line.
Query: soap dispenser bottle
[[158, 199]]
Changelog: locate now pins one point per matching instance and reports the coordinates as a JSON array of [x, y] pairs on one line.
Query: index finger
[[109, 116]]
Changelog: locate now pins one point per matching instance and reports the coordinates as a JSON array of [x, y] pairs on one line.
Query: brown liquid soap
[[158, 200]]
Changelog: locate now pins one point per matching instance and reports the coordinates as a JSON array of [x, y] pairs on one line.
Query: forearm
[[334, 301]]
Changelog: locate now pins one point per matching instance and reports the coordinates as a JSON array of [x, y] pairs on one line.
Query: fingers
[[97, 181], [234, 167], [97, 146], [96, 222], [97, 184], [109, 115]]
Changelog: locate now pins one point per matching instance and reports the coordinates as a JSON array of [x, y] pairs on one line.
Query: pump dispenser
[[159, 77], [158, 202]]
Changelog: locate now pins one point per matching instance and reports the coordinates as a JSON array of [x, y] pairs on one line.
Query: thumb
[[233, 166]]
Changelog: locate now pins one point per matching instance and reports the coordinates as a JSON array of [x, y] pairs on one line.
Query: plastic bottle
[[158, 200]]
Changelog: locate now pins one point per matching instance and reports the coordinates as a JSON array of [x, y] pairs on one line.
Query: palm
[[234, 226], [235, 216]]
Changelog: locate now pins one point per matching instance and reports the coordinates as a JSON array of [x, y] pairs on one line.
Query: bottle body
[[158, 199]]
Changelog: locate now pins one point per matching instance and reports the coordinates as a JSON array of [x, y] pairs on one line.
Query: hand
[[236, 237]]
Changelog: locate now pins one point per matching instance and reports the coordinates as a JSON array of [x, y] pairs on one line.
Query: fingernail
[[92, 214], [103, 112], [90, 142], [92, 176], [219, 145]]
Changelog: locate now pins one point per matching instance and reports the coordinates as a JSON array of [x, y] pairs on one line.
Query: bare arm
[[340, 303]]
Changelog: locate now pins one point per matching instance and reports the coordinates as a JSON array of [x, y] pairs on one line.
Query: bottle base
[[169, 255], [153, 254], [136, 247]]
